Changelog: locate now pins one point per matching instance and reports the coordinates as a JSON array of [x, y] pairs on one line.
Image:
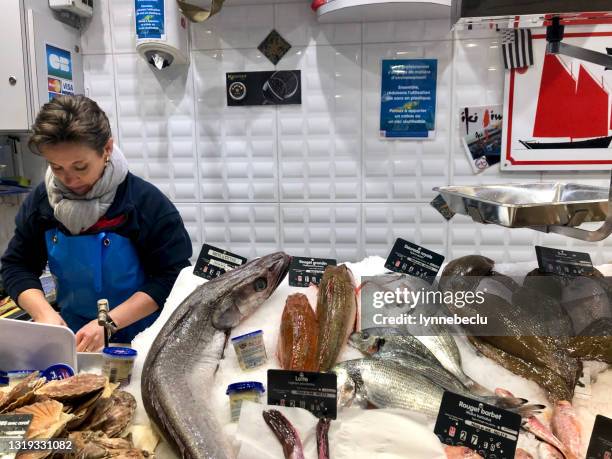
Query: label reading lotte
[[600, 446], [213, 262], [315, 392], [412, 259], [304, 271], [488, 430], [408, 98]]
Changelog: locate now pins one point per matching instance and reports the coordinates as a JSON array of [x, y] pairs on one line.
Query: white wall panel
[[99, 83], [123, 34], [96, 33]]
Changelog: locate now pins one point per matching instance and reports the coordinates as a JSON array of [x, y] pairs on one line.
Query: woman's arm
[[35, 304]]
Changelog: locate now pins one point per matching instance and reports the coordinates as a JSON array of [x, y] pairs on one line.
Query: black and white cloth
[[517, 48]]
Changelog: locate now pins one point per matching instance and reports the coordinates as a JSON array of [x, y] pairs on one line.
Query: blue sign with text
[[408, 98], [59, 62], [149, 18]]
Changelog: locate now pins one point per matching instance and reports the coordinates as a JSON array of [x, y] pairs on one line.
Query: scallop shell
[[96, 445], [113, 415], [22, 394], [83, 410], [48, 421], [72, 388]]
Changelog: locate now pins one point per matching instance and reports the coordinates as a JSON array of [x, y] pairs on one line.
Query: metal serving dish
[[534, 204]]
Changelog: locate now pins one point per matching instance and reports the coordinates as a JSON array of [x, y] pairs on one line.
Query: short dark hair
[[76, 119]]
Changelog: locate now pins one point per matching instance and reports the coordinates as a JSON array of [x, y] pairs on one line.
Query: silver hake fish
[[179, 370]]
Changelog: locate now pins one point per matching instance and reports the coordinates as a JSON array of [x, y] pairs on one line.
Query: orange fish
[[297, 342], [566, 427]]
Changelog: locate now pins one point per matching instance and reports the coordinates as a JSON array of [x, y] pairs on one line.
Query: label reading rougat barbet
[[414, 260], [563, 262], [486, 429], [600, 446], [304, 271], [315, 392], [213, 262]]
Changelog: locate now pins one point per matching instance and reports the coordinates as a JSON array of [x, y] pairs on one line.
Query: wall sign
[[149, 19], [281, 87], [59, 71], [408, 98], [557, 112], [481, 135]]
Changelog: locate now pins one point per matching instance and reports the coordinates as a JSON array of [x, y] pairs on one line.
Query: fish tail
[[476, 388], [527, 411], [286, 434], [322, 438]]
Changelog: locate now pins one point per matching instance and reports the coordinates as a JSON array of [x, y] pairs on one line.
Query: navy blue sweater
[[149, 220]]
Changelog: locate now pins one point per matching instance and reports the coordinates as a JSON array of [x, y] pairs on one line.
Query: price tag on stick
[[213, 262]]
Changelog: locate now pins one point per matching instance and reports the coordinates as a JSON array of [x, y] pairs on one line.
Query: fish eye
[[260, 284], [365, 335]]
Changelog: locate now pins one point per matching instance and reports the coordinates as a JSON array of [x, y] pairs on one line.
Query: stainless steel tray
[[549, 207]]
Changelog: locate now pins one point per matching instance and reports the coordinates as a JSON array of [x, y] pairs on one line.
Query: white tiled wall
[[312, 179]]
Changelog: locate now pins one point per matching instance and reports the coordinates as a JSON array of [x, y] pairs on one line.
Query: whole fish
[[586, 300], [566, 427], [179, 370], [543, 433], [556, 387], [464, 273], [336, 313], [460, 452], [440, 348], [546, 451], [297, 342], [594, 343], [323, 438], [285, 432]]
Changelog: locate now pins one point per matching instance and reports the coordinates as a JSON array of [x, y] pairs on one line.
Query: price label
[[213, 262], [564, 262], [600, 446], [315, 392], [414, 260], [304, 271]]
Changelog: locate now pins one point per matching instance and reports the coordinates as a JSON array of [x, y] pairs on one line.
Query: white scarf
[[76, 212]]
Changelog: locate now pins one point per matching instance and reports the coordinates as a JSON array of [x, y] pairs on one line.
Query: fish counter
[[185, 381]]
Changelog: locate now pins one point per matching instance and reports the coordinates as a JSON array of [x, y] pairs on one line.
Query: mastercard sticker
[[55, 85]]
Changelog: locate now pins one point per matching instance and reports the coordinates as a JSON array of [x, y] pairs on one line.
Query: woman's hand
[[51, 317], [90, 338]]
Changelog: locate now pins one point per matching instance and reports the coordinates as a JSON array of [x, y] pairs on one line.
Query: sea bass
[[336, 313], [440, 348], [566, 427], [297, 342], [179, 370]]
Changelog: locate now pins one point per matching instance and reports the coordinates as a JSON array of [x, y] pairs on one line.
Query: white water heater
[[162, 37]]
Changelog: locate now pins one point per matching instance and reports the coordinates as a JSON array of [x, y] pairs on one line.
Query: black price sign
[[213, 262], [304, 271], [442, 207], [486, 429], [600, 446], [412, 259], [315, 392], [275, 87], [13, 428], [563, 262]]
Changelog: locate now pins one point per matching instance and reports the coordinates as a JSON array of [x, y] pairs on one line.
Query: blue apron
[[87, 268]]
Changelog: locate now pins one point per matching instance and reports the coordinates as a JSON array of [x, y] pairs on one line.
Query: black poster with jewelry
[[414, 260], [304, 271], [564, 262], [600, 446], [280, 87], [213, 262], [486, 429], [315, 392]]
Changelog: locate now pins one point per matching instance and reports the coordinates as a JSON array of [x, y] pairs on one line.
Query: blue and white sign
[[59, 62], [408, 98], [149, 18]]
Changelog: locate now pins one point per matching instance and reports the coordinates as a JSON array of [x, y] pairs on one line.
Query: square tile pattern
[[314, 179]]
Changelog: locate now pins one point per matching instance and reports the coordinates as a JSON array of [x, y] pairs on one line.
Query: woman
[[104, 232]]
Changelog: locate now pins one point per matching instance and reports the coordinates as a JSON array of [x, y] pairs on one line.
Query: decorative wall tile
[[322, 230], [319, 140], [99, 81], [236, 145]]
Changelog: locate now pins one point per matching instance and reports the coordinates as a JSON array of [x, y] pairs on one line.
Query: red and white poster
[[557, 113]]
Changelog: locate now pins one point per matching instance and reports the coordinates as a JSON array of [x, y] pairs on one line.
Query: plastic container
[[118, 364], [58, 371], [238, 392], [250, 350]]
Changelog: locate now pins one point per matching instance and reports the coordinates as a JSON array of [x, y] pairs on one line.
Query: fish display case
[[548, 207]]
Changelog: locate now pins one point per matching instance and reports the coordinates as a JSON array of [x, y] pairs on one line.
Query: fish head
[[347, 389], [366, 342], [250, 287]]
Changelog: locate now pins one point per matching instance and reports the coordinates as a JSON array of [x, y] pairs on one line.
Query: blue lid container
[[248, 335], [120, 352], [58, 371], [4, 381], [245, 386]]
